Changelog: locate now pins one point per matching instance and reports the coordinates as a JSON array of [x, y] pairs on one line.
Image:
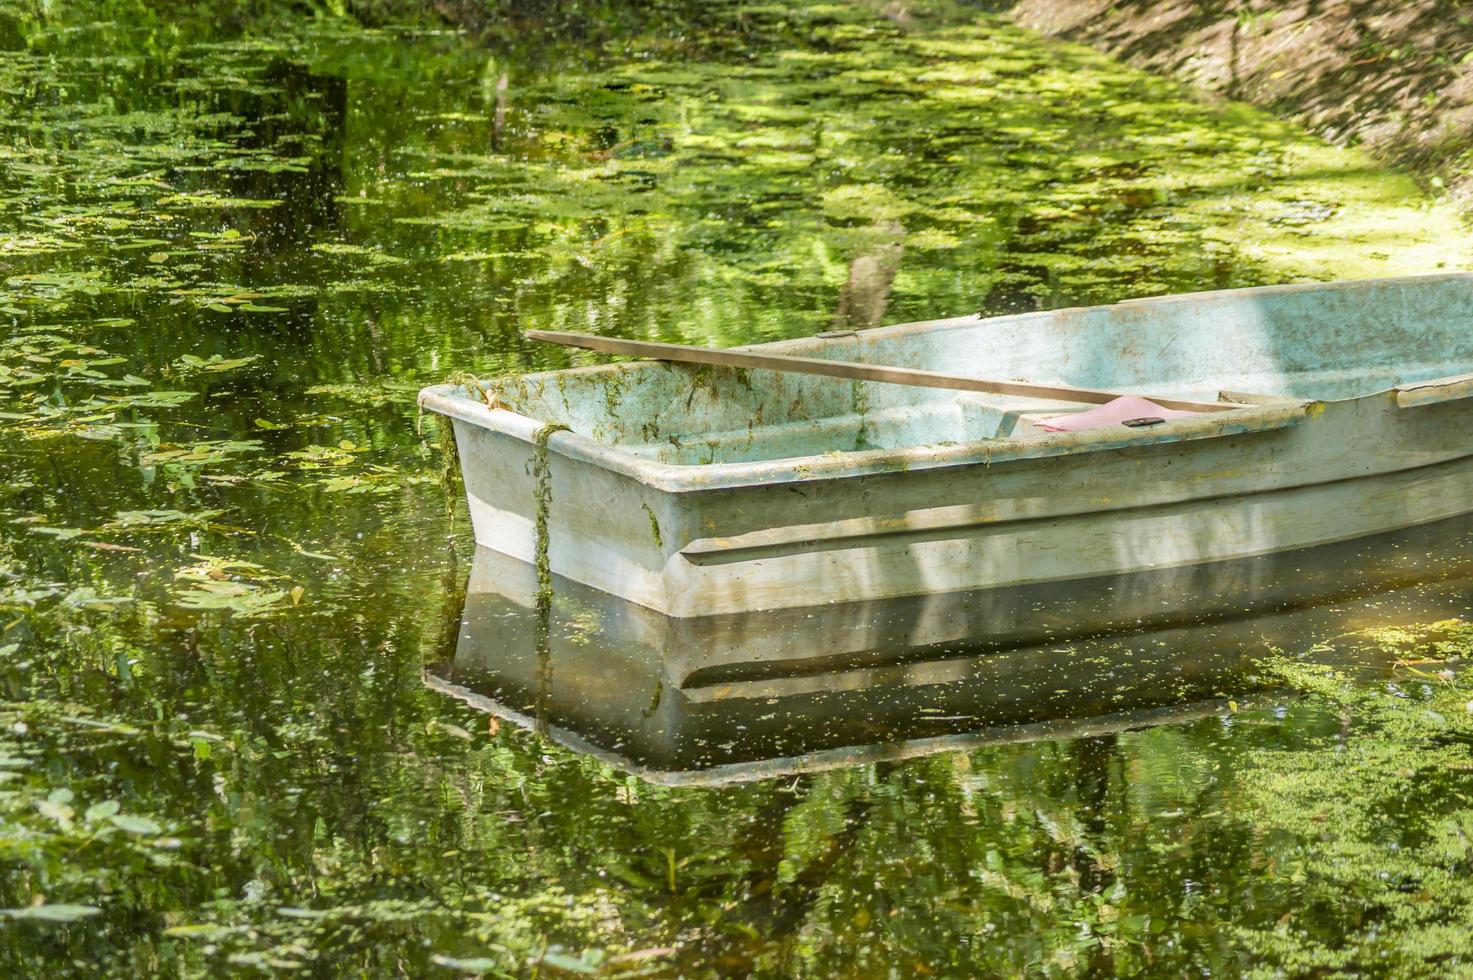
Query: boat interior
[[1273, 346]]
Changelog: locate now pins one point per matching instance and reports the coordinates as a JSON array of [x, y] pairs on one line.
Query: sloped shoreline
[[1396, 79]]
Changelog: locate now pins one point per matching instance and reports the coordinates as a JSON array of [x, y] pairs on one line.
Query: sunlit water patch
[[229, 256]]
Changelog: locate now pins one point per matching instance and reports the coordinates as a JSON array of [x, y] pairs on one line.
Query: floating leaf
[[134, 824], [214, 364], [473, 964], [195, 931], [131, 519], [449, 729], [59, 532], [109, 546], [291, 912], [57, 913], [572, 964], [235, 597]]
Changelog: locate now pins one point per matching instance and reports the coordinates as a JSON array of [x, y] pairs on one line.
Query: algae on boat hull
[[654, 527], [451, 480], [859, 404], [494, 392], [542, 476]]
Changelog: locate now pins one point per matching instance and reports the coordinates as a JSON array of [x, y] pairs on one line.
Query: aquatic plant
[[233, 248]]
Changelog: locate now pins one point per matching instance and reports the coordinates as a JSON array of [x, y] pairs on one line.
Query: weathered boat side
[[698, 492]]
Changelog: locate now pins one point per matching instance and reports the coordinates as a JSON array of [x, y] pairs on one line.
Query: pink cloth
[[1110, 413]]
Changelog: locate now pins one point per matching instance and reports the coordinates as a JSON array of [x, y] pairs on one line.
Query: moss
[[700, 379], [859, 405], [614, 384], [503, 391], [649, 710], [654, 527], [542, 476], [473, 388], [451, 481]]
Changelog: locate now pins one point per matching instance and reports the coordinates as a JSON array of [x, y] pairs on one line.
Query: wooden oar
[[688, 354]]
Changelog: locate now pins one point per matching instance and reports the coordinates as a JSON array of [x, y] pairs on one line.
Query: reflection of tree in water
[[779, 893], [841, 870], [866, 292], [1093, 761], [302, 116]]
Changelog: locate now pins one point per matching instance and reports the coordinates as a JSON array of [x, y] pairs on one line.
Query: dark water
[[234, 247]]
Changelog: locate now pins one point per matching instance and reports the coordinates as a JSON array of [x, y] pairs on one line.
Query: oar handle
[[690, 354]]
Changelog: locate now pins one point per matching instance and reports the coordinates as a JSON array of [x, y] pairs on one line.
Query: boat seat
[[1028, 429], [1024, 424], [1256, 398], [1019, 414]]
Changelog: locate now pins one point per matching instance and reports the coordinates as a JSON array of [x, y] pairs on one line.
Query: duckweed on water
[[231, 255]]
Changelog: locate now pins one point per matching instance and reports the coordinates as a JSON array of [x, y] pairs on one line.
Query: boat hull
[[1354, 468], [1312, 462]]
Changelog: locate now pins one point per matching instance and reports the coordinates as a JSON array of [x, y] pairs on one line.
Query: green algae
[[859, 406], [654, 527], [451, 480], [649, 710], [474, 387], [1380, 840], [541, 470], [338, 221]]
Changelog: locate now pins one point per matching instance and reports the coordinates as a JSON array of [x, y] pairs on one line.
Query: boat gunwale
[[688, 477], [450, 400], [820, 760]]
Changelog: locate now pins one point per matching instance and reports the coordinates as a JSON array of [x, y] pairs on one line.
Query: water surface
[[231, 252]]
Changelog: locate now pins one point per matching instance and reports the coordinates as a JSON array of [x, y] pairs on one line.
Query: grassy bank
[[1394, 78]]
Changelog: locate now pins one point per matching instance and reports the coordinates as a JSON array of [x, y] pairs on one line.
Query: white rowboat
[[708, 490]]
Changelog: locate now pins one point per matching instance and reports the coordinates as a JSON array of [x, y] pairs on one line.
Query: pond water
[[234, 248]]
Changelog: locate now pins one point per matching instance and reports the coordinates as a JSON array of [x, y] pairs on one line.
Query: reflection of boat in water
[[748, 695]]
